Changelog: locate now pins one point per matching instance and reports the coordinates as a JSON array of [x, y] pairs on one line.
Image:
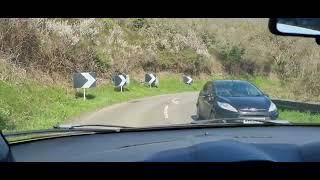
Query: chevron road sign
[[84, 80], [187, 79], [121, 80], [151, 79]]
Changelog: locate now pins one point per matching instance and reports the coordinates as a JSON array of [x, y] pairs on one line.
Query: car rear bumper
[[229, 114]]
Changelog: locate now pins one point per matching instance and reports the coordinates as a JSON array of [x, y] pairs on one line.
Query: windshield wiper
[[62, 130], [95, 127], [242, 120], [69, 128]]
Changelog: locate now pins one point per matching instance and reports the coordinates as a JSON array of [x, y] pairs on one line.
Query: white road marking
[[175, 101], [165, 112]]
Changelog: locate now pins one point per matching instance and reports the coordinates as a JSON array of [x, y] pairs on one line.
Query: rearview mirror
[[304, 27]]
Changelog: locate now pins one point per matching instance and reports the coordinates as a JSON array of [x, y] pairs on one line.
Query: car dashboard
[[230, 144]]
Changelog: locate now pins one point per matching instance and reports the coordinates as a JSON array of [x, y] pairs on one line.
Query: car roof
[[229, 80]]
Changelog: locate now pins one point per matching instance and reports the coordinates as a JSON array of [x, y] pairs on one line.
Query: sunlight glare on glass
[[284, 28]]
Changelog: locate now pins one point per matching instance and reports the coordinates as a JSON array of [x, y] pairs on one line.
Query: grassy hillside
[[59, 47]]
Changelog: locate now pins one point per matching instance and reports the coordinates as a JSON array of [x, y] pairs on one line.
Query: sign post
[[84, 94]]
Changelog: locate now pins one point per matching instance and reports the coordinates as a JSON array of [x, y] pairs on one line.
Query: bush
[[208, 39], [187, 61], [139, 23], [64, 46], [48, 45], [233, 60], [108, 23]]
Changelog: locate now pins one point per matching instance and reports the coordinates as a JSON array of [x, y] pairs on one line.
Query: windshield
[[120, 73], [236, 89]]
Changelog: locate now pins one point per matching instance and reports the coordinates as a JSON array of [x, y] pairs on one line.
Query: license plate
[[251, 122]]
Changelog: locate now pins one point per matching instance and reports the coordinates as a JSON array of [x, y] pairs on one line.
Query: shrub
[[233, 59], [63, 46], [139, 23]]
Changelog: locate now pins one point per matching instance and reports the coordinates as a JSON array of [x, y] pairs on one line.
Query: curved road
[[151, 111]]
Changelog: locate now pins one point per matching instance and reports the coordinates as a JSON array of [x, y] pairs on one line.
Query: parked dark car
[[234, 99]]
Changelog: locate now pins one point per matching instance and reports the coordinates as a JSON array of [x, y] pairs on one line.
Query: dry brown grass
[[50, 50]]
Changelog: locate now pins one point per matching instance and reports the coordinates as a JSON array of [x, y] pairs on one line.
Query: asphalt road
[[151, 111]]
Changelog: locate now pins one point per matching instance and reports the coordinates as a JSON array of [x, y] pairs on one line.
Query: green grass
[[273, 87], [299, 117], [34, 106]]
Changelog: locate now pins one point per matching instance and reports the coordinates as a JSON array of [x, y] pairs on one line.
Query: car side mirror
[[209, 97]]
